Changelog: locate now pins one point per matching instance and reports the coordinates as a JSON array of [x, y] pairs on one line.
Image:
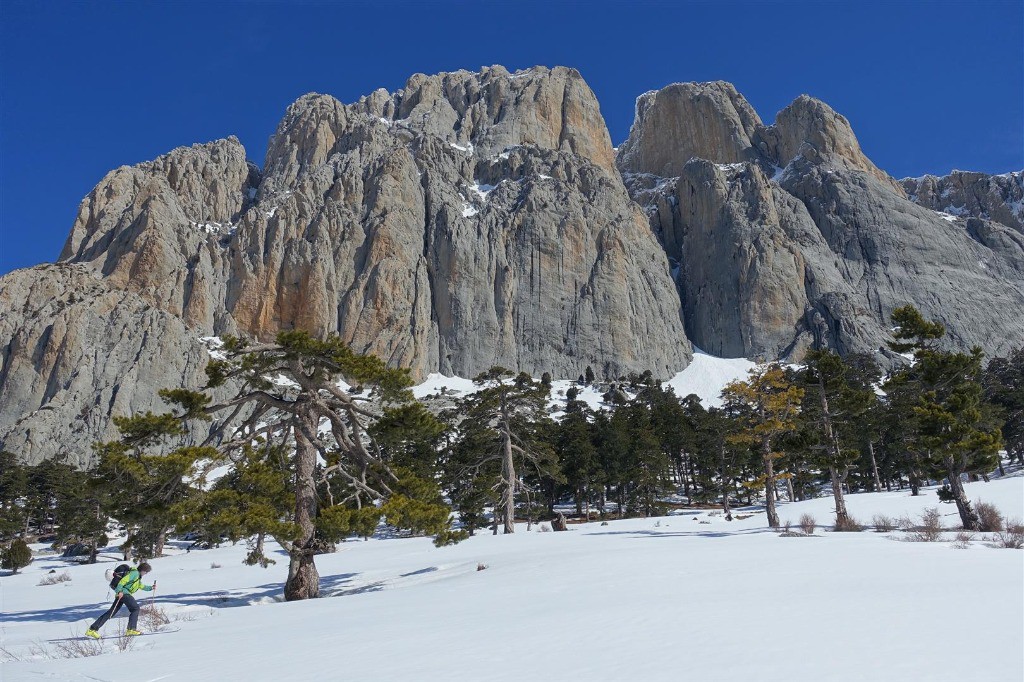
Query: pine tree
[[16, 556], [13, 491], [409, 436], [1004, 387], [611, 438], [252, 501], [468, 473], [576, 453], [954, 430], [287, 395], [836, 396], [509, 420], [767, 405], [139, 479]]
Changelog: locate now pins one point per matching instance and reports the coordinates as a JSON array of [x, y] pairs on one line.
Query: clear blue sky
[[89, 86]]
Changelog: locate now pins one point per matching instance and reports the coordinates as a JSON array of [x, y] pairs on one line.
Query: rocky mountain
[[999, 198], [77, 351], [465, 221], [787, 236], [474, 219]]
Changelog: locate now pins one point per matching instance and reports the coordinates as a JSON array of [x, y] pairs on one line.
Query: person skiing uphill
[[126, 587]]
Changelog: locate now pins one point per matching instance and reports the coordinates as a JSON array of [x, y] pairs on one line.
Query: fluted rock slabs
[[787, 237], [466, 221]]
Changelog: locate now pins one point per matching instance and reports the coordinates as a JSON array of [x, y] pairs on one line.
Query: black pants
[[119, 601]]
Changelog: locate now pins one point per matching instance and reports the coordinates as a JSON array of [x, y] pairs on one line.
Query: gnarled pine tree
[[290, 395], [508, 418]]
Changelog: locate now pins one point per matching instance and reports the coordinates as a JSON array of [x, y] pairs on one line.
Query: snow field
[[640, 599]]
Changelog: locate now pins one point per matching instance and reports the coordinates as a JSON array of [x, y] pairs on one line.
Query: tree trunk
[[915, 479], [967, 515], [769, 484], [842, 517], [508, 471], [158, 546], [874, 467], [725, 482], [684, 473], [789, 489], [303, 579]]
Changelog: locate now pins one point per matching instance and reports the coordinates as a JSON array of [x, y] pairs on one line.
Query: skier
[[126, 587]]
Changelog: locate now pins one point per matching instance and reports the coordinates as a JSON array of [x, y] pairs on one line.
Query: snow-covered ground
[[688, 596]]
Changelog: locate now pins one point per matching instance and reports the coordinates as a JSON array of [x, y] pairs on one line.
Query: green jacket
[[132, 583]]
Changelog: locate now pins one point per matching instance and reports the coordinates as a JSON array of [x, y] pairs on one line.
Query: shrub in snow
[[481, 567], [55, 578], [905, 523], [79, 648], [989, 518], [848, 525], [930, 529], [808, 524], [154, 618], [1013, 535], [215, 565], [962, 540], [883, 523]]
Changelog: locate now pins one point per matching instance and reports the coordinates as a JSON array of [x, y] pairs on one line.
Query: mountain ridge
[[480, 218]]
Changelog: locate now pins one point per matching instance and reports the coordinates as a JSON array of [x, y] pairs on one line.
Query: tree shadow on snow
[[689, 534], [330, 586]]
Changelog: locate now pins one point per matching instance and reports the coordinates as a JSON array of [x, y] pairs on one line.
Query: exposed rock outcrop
[[465, 221], [76, 351], [687, 120], [999, 198], [160, 228], [787, 237], [479, 219]]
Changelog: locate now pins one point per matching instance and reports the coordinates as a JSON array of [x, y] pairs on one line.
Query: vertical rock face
[[159, 229], [467, 220], [811, 122], [685, 120], [76, 350], [999, 198], [788, 237], [479, 219]]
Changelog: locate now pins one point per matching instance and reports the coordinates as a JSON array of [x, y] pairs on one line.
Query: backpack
[[119, 573]]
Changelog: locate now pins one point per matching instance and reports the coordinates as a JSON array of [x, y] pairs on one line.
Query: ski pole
[[116, 606]]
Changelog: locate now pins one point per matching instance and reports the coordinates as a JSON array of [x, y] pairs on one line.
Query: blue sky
[[89, 86]]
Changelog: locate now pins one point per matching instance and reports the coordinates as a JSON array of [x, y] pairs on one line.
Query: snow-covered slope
[[681, 597], [705, 376]]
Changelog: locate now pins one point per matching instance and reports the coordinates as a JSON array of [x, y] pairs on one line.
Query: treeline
[[308, 461]]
